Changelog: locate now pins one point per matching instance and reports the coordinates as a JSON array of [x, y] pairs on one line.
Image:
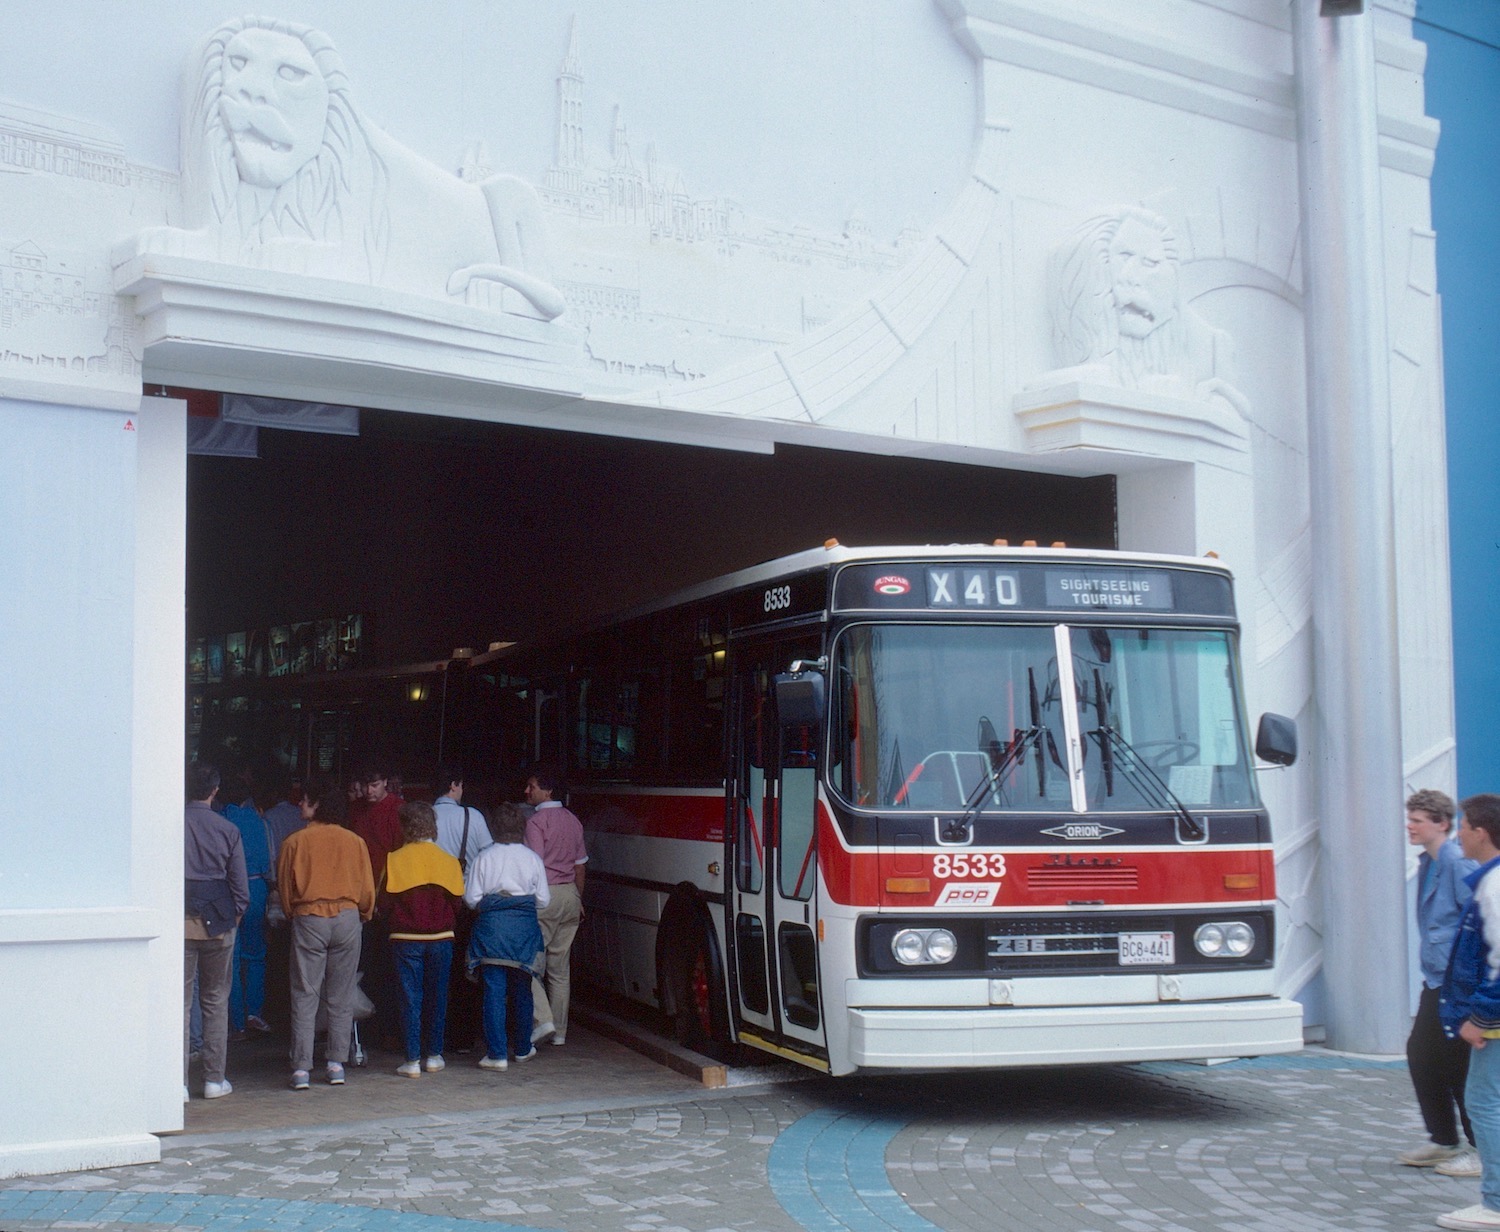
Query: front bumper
[[998, 1037]]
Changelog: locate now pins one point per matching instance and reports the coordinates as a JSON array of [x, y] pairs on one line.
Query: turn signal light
[[907, 885], [1242, 881]]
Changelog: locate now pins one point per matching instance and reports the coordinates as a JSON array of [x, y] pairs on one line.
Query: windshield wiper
[[1145, 779], [995, 770]]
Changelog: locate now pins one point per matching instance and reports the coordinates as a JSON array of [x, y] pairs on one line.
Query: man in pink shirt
[[557, 836]]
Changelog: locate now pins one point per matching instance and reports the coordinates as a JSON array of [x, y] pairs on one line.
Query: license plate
[[1146, 949]]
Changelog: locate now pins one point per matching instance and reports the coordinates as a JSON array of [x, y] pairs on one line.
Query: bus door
[[772, 921]]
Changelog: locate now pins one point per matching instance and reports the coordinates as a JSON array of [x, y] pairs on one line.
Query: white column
[[1356, 741]]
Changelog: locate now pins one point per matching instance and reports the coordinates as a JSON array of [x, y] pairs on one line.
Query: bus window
[[799, 790], [990, 734], [1160, 707], [750, 834]]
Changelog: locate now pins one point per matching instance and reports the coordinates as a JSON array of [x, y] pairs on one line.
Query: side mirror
[[799, 698], [1276, 739]]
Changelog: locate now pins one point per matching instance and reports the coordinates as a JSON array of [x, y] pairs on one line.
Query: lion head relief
[[274, 147]]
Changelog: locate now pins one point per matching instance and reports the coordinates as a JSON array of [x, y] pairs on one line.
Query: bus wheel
[[699, 994]]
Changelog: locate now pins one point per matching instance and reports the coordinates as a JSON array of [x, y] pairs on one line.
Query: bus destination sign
[[1048, 586], [1142, 589]]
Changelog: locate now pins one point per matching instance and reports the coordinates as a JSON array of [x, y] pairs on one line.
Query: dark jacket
[[1469, 990], [213, 869]]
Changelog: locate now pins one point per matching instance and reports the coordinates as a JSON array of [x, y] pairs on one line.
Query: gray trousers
[[559, 920], [325, 964], [212, 962]]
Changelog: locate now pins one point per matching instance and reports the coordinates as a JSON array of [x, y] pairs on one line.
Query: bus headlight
[[914, 947], [1232, 939]]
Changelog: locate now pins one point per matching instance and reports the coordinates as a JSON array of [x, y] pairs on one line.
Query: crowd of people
[[440, 924]]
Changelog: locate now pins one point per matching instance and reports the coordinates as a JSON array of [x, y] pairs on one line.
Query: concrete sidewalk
[[588, 1067]]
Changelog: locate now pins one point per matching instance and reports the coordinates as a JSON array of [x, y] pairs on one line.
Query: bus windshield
[[972, 717], [1159, 708], [950, 717]]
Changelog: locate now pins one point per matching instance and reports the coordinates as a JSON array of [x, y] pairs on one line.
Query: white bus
[[927, 807]]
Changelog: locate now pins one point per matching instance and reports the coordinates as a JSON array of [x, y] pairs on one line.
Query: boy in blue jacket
[[1470, 1003], [1439, 1065]]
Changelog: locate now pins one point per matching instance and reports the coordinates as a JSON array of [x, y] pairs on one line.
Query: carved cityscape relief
[[1119, 317], [672, 283], [283, 171], [60, 321]]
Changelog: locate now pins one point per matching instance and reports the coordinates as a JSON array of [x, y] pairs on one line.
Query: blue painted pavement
[[215, 1213], [828, 1172]]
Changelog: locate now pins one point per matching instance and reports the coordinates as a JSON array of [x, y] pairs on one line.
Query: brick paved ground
[[1280, 1144]]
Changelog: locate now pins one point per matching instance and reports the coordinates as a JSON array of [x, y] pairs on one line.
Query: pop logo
[[891, 584], [968, 894]]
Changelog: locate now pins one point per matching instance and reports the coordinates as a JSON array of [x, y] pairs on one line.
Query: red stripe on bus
[[1031, 879], [695, 818], [1044, 880]]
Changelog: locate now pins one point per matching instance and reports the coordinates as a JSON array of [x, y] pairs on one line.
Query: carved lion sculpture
[[1118, 315], [281, 170]]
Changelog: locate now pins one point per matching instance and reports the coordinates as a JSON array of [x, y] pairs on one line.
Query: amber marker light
[[907, 885], [1002, 543], [1242, 881], [830, 544]]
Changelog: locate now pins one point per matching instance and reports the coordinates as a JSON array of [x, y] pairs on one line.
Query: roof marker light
[[830, 544]]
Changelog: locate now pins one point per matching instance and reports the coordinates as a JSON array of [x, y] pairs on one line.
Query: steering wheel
[[1168, 753]]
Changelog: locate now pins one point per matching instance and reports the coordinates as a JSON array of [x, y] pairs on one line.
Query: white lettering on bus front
[[969, 864]]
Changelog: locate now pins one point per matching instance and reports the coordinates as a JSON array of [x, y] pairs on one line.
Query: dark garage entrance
[[444, 533]]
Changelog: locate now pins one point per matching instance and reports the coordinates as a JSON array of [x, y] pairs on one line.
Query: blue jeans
[[1482, 1099], [506, 986], [247, 988], [422, 972]]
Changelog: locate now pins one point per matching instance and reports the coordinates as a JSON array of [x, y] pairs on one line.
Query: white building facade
[[1054, 235]]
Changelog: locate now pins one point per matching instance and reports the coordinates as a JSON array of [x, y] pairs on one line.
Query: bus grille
[[1090, 943], [1078, 879]]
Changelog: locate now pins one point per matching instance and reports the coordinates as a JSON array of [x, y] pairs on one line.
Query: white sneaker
[[559, 1040], [541, 1031], [410, 1069], [493, 1063], [1465, 1164], [1428, 1155], [1474, 1218], [435, 1063], [216, 1090]]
